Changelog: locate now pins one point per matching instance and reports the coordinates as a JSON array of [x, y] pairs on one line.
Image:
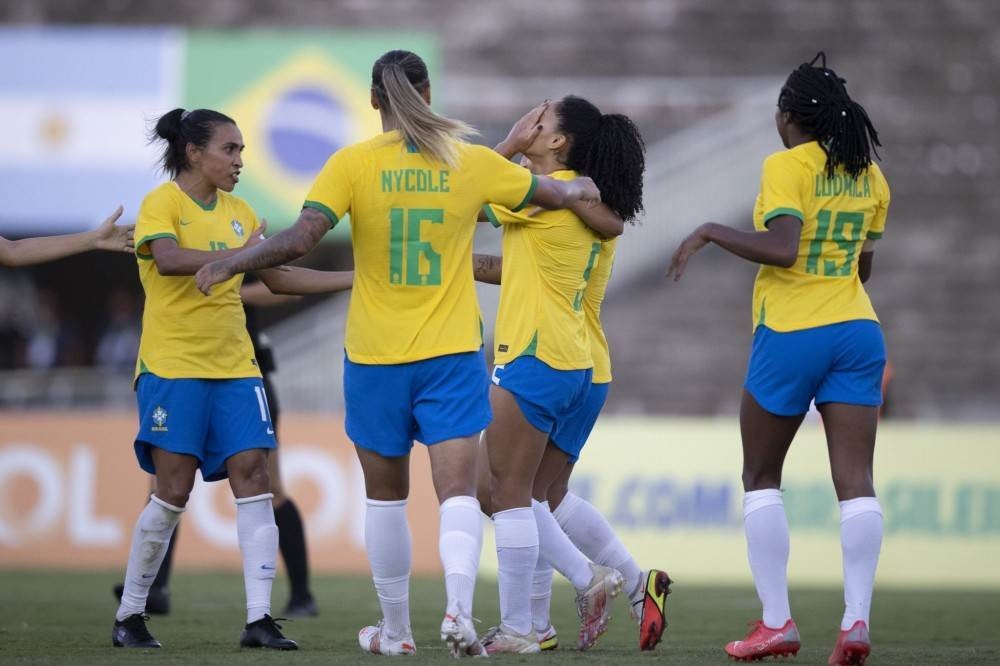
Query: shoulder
[[785, 159], [165, 195]]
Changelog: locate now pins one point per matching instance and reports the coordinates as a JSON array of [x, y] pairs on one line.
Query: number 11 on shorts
[[265, 411]]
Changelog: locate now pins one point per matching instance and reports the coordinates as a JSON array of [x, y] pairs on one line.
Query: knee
[[850, 484], [509, 495], [755, 478], [174, 491], [251, 478]]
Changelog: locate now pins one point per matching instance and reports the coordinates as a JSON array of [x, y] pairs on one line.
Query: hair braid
[[816, 100]]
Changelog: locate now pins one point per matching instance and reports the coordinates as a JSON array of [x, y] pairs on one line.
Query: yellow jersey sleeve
[[158, 217], [877, 227], [783, 186], [333, 190], [498, 216], [509, 185]]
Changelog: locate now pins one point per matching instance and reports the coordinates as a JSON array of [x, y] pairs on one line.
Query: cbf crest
[[237, 227], [159, 419]]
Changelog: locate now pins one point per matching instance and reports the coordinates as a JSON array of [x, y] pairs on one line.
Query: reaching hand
[[589, 193], [524, 131], [257, 237], [694, 242], [212, 274], [108, 236]]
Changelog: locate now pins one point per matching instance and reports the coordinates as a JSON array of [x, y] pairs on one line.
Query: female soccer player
[[201, 400], [30, 251], [542, 311], [821, 206], [414, 366]]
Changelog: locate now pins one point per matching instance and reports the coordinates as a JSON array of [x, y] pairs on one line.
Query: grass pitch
[[62, 617]]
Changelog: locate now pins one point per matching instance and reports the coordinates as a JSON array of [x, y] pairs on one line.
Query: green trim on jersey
[[491, 216], [330, 215], [875, 235], [794, 212], [532, 347], [529, 195], [202, 204], [763, 312], [148, 239]]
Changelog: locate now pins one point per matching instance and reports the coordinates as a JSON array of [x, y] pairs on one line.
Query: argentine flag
[[75, 109]]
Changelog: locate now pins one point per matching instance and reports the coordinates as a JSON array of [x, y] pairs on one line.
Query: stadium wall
[[70, 491]]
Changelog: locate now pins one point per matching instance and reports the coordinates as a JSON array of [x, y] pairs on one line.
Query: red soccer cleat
[[763, 641], [652, 613], [853, 646]]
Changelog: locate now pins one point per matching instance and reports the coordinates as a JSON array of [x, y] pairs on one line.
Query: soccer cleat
[[548, 639], [373, 639], [305, 607], [266, 632], [459, 634], [501, 639], [593, 604], [762, 641], [853, 646], [157, 603], [651, 610], [132, 633]]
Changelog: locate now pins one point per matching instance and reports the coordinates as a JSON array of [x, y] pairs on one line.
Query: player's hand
[[589, 194], [257, 237], [212, 274], [524, 132], [108, 236], [694, 242]]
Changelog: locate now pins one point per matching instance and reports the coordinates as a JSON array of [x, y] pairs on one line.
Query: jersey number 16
[[406, 249]]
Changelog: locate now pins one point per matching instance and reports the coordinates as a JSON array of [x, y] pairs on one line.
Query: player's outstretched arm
[[600, 218], [285, 246], [172, 259], [487, 268], [29, 251], [778, 246], [553, 194], [298, 281]]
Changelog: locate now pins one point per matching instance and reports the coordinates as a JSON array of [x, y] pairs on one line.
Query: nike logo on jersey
[[184, 224]]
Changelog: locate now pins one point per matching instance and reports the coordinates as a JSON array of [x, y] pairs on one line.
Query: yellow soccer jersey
[[838, 214], [547, 260], [412, 223], [186, 334], [593, 297]]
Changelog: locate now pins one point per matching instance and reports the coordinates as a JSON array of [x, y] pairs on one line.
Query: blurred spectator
[[54, 340], [119, 343], [17, 316]]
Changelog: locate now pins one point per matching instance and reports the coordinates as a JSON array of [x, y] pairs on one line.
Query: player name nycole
[[415, 180]]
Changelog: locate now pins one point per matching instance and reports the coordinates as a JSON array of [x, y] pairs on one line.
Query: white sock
[[517, 554], [767, 547], [541, 596], [149, 544], [387, 540], [460, 545], [258, 537], [556, 548], [590, 531], [860, 541]]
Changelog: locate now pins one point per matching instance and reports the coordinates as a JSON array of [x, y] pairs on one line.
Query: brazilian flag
[[297, 96]]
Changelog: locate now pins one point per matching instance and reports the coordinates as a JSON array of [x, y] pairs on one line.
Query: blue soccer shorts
[[574, 429], [430, 401], [210, 419], [545, 395], [835, 363]]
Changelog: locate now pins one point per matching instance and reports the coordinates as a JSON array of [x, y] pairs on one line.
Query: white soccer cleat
[[501, 639], [374, 640], [459, 634], [593, 604]]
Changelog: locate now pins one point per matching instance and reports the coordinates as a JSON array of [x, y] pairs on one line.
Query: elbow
[[788, 256], [166, 268]]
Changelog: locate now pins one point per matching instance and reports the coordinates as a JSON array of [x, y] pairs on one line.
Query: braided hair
[[816, 100], [609, 149]]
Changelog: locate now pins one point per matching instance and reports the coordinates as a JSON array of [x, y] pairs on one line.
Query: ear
[[374, 100], [558, 142], [193, 153]]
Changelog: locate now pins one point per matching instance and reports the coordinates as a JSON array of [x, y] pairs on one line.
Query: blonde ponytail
[[433, 134]]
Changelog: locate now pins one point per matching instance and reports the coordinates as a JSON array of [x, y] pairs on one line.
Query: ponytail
[[398, 78], [178, 128], [609, 149]]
